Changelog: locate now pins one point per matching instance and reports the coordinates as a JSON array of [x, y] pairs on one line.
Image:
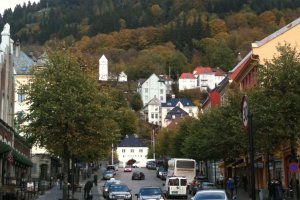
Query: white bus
[[182, 167]]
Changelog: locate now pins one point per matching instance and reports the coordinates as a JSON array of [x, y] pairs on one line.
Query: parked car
[[159, 171], [207, 186], [119, 191], [128, 168], [108, 174], [164, 175], [153, 193], [210, 194], [195, 186], [112, 168], [107, 184], [137, 175]]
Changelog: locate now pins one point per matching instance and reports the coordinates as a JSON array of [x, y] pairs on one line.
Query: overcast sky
[[5, 4]]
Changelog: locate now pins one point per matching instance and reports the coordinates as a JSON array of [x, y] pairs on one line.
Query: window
[[141, 150], [132, 150], [161, 98], [21, 95], [146, 90], [156, 116], [161, 91], [123, 150], [152, 115]]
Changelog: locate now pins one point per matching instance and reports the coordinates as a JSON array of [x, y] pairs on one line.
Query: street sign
[[294, 167], [245, 112]]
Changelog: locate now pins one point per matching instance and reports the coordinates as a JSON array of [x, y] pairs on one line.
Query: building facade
[[151, 88], [103, 68], [132, 148], [15, 164], [187, 81]]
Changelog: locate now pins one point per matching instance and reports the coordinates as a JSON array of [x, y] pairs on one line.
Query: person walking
[[87, 190], [95, 178], [230, 186]]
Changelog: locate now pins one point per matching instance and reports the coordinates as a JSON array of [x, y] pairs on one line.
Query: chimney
[[18, 48]]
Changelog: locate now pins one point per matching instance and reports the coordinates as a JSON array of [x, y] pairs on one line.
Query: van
[[176, 186]]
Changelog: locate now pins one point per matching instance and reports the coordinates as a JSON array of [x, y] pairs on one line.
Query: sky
[[5, 4]]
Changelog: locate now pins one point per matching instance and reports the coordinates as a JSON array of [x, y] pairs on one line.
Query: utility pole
[[112, 153], [153, 136]]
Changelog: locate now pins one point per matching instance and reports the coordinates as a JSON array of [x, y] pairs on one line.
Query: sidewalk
[[55, 193]]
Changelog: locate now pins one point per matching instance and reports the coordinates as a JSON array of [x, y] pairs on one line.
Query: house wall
[[154, 114], [151, 88], [137, 153], [185, 84], [268, 50]]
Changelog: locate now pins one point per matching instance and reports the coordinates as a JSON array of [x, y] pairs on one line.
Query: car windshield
[[209, 195], [150, 191], [107, 184], [119, 188]]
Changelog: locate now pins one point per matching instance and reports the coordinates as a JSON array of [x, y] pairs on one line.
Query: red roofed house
[[207, 77], [187, 81]]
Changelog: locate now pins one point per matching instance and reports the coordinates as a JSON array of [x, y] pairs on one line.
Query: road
[[135, 185]]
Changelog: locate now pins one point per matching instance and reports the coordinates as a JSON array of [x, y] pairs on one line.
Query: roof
[[154, 101], [177, 112], [187, 76], [219, 72], [235, 71], [277, 33], [202, 70], [22, 63], [172, 102], [131, 141]]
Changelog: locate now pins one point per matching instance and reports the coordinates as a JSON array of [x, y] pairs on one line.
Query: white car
[[128, 168], [210, 194], [176, 186]]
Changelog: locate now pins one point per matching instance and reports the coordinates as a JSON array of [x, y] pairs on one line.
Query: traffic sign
[[294, 167], [245, 112]]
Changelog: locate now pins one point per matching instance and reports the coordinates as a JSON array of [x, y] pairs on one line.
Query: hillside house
[[187, 81], [132, 147], [151, 88], [170, 110], [207, 77]]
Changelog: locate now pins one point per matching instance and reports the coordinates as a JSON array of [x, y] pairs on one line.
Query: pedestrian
[[95, 178], [235, 179], [87, 190], [230, 186], [245, 182]]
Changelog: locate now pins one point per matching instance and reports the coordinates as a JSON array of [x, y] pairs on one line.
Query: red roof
[[202, 70], [240, 66], [187, 76]]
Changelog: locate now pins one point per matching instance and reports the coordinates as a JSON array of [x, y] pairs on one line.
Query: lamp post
[[112, 153], [247, 123]]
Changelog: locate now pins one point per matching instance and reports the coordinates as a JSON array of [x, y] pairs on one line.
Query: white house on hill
[[122, 77], [103, 69], [152, 87], [132, 147]]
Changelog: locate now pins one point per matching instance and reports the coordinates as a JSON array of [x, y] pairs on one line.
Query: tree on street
[[67, 114]]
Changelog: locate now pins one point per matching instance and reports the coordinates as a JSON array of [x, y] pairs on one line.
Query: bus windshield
[[185, 164]]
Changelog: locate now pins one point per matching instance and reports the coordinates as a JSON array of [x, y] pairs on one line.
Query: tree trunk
[[65, 171]]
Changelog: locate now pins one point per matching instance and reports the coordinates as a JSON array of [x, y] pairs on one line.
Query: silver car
[[147, 193], [119, 191], [210, 194]]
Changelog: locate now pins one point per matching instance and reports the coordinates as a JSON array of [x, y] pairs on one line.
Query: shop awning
[[4, 147], [21, 159]]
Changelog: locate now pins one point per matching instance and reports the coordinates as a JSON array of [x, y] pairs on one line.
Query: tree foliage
[[65, 107]]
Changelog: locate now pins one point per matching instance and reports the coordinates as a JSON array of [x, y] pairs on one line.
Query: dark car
[[153, 193], [151, 165], [108, 174], [119, 191], [159, 171], [107, 184], [137, 175]]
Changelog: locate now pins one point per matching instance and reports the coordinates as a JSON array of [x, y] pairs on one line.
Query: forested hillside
[[141, 37]]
